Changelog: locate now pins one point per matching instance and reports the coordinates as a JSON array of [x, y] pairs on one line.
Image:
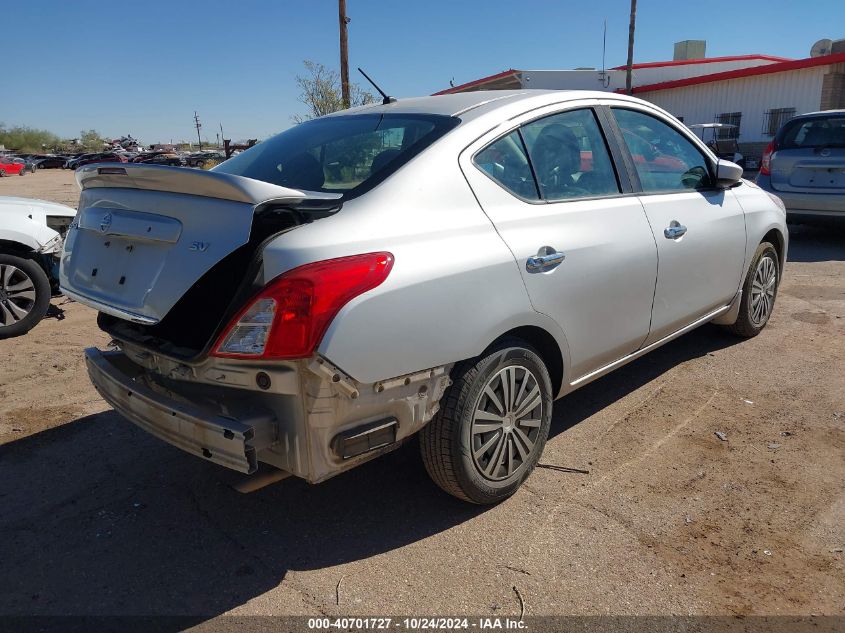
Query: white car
[[31, 237], [448, 265]]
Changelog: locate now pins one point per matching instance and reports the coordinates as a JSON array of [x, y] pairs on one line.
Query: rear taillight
[[766, 162], [288, 318]]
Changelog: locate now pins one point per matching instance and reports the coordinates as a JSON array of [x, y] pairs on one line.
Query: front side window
[[569, 156], [339, 154], [665, 160], [506, 163]]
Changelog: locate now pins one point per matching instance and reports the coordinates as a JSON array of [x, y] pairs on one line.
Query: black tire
[[2, 173], [748, 323], [35, 309], [450, 449]]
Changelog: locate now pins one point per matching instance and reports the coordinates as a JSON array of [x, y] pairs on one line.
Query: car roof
[[820, 113], [469, 105]]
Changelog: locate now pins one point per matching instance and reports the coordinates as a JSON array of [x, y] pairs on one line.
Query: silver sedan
[[446, 265]]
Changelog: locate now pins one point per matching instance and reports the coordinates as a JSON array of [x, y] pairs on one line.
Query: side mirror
[[728, 174]]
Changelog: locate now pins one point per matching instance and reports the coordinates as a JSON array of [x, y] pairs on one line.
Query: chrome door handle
[[674, 230], [544, 261]]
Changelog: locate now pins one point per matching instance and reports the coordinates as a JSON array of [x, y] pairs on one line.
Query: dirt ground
[[638, 507]]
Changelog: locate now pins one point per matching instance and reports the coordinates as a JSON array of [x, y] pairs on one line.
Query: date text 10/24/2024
[[416, 624]]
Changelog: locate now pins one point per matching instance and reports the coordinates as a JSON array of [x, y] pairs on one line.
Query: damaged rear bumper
[[305, 417], [228, 441]]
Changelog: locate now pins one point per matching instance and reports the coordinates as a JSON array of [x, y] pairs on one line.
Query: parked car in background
[[10, 167], [160, 158], [199, 159], [27, 162], [50, 162], [804, 166], [448, 265], [102, 157], [31, 236]]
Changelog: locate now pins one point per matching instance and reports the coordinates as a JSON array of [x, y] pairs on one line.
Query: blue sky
[[144, 67]]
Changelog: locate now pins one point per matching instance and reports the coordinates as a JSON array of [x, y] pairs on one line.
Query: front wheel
[[758, 292], [492, 426], [24, 295]]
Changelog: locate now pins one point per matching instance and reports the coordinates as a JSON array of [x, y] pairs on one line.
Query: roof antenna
[[386, 99]]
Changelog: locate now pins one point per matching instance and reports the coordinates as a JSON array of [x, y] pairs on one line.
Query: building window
[[730, 118], [775, 118]]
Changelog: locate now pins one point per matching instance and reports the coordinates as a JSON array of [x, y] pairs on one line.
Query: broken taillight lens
[[290, 315]]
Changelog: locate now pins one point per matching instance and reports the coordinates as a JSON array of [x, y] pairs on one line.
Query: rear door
[[699, 229], [810, 156], [584, 248]]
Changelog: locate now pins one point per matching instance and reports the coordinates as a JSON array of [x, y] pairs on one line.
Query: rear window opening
[[814, 132], [347, 154]]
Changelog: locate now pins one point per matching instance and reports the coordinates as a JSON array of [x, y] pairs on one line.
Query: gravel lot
[[638, 509]]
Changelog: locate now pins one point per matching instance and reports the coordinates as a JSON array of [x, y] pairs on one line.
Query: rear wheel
[[24, 295], [758, 292], [2, 173], [492, 426]]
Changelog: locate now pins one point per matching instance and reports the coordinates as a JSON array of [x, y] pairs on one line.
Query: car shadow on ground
[[814, 243], [100, 518], [595, 396]]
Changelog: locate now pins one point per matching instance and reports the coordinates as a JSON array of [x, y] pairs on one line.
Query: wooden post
[[344, 53], [628, 79]]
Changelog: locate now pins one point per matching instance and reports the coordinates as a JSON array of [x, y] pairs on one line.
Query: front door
[[585, 251]]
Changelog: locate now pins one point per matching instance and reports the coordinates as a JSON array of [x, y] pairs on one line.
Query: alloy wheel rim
[[506, 423], [17, 295], [763, 288]]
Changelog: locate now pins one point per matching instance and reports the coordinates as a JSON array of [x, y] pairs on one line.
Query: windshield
[[339, 154], [815, 132]]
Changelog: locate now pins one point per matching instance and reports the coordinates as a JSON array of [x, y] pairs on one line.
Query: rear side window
[[340, 154], [506, 162], [815, 132], [569, 156], [664, 159]]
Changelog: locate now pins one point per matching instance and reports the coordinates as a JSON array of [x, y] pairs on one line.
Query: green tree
[[27, 139], [320, 91], [91, 140]]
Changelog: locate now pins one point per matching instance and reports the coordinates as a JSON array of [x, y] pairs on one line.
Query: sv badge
[[199, 247]]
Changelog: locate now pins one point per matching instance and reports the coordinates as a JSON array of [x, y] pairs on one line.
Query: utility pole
[[199, 125], [628, 84], [344, 53]]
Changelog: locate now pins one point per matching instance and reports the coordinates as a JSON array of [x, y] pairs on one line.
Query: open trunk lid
[[146, 234]]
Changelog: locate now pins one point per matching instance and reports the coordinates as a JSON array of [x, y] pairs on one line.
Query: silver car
[[449, 265], [804, 165]]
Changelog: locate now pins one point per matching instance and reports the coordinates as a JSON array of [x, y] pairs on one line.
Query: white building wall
[[659, 74], [753, 96], [615, 79], [572, 79]]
